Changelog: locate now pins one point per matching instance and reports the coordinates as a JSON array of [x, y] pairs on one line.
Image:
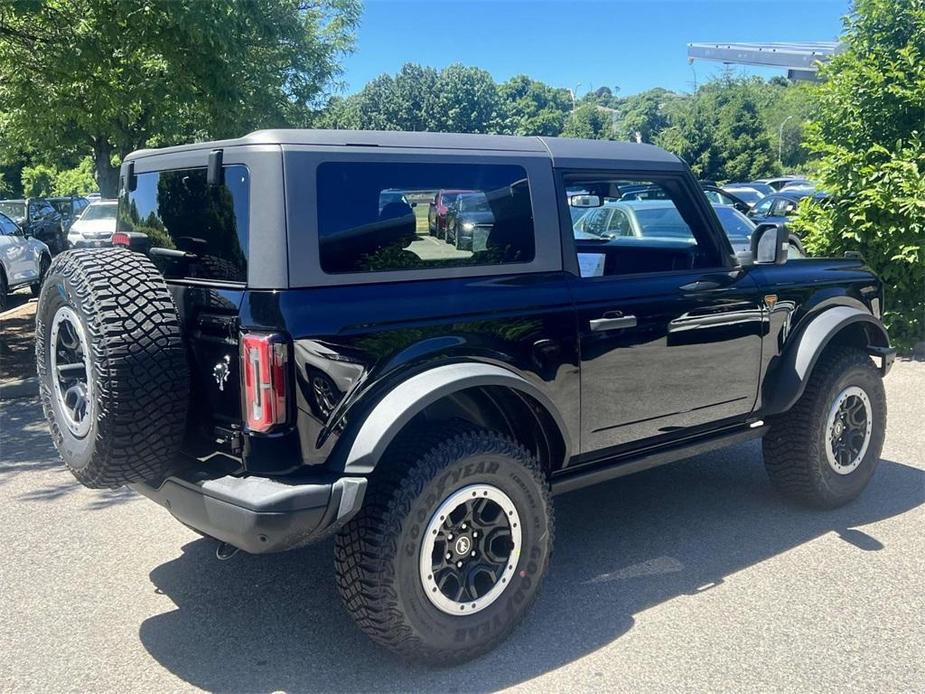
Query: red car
[[436, 215]]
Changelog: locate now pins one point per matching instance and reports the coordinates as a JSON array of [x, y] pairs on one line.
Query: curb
[[26, 388]]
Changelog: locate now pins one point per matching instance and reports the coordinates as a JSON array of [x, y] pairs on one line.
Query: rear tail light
[[264, 365], [120, 239]]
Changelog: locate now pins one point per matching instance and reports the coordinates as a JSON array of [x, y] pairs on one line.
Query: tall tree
[[644, 115], [718, 130], [110, 76], [533, 108], [589, 121], [869, 130]]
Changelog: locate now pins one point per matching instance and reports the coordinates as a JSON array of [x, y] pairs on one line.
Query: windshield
[[16, 210], [735, 224], [475, 203], [99, 212]]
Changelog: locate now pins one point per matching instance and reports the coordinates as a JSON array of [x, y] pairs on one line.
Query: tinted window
[[196, 231], [371, 217]]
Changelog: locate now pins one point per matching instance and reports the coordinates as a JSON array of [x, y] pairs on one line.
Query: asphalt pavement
[[691, 577]]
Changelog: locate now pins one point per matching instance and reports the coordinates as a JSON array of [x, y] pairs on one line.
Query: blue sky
[[633, 44]]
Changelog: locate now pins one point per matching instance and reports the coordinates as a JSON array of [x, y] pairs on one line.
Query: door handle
[[613, 321], [699, 286]]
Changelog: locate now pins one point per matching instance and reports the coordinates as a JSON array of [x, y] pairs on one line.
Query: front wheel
[[824, 451], [451, 546]]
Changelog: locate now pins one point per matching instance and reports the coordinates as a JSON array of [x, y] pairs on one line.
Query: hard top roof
[[560, 149]]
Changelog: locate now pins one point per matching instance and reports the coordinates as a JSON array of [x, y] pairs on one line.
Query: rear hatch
[[198, 235]]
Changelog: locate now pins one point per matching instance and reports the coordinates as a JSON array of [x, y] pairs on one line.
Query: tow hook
[[224, 551]]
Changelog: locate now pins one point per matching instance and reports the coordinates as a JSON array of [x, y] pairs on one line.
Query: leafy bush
[[38, 180], [76, 181], [869, 130]]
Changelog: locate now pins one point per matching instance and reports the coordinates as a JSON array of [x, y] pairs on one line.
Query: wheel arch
[[839, 325], [485, 395]]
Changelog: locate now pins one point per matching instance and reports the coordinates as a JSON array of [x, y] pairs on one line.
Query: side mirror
[[584, 201], [770, 244]]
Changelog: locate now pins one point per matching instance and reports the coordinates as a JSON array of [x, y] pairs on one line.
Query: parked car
[[661, 219], [721, 196], [95, 226], [747, 194], [270, 387], [70, 208], [24, 260], [439, 208], [762, 188], [469, 222], [781, 181], [740, 230], [778, 208], [37, 218]]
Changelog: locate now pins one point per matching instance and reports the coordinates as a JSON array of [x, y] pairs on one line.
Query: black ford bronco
[[293, 356]]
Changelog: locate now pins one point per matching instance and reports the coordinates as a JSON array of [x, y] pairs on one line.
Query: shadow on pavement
[[275, 622], [26, 446]]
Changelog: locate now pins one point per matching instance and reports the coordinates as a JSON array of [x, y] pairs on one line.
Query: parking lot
[[695, 577]]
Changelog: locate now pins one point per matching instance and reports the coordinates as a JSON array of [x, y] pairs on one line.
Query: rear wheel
[[451, 546], [824, 451]]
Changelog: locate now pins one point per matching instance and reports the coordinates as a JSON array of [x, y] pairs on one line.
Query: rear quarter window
[[373, 217], [195, 231]]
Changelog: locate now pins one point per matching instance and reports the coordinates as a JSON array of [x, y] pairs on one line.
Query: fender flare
[[407, 399], [786, 381]]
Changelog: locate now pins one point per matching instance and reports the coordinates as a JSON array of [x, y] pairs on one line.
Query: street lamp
[[780, 140]]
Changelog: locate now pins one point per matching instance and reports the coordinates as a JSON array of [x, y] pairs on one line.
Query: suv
[[23, 260], [37, 218], [292, 359]]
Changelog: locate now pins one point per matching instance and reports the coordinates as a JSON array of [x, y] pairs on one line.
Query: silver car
[[24, 260], [95, 226]]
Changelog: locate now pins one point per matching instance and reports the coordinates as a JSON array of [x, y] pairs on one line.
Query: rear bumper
[[259, 514]]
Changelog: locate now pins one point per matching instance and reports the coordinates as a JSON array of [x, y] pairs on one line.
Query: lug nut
[[473, 553], [459, 565], [463, 526], [475, 533], [449, 536], [449, 555]]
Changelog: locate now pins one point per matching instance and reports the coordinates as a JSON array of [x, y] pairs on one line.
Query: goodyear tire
[[451, 546], [113, 375], [824, 451]]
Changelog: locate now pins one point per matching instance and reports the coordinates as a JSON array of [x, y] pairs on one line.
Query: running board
[[627, 465]]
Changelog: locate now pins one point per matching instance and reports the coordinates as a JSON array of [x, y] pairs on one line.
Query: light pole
[[574, 93], [780, 140]]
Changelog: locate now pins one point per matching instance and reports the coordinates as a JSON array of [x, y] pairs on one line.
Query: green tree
[[719, 131], [38, 181], [76, 181], [466, 101], [110, 76], [869, 132], [589, 121], [644, 115], [533, 108]]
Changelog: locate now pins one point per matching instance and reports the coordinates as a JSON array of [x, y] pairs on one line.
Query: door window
[[785, 208], [639, 227], [7, 228]]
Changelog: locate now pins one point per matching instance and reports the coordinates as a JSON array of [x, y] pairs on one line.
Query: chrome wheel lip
[[431, 590], [833, 424], [78, 426]]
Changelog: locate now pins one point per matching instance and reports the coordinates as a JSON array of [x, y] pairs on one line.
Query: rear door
[[669, 332]]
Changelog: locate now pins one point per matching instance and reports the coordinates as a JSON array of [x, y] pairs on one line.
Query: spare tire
[[112, 366]]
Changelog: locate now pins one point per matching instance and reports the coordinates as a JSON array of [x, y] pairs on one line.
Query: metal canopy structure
[[799, 59]]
